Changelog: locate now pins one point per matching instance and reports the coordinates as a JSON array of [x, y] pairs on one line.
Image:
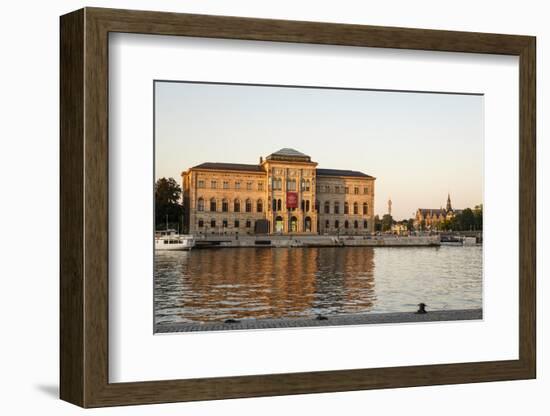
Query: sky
[[419, 146]]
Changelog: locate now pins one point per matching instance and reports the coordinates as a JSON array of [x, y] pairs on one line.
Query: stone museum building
[[285, 193]]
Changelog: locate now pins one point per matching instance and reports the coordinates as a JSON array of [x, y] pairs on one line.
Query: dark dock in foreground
[[332, 320]]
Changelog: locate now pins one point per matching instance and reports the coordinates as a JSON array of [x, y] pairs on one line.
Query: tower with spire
[[449, 206], [389, 206]]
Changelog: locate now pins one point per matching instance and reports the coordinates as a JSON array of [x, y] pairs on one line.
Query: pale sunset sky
[[419, 146]]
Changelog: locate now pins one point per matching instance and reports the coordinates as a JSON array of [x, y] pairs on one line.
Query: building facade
[[431, 218], [284, 193]]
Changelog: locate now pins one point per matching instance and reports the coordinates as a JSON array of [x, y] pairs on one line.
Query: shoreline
[[332, 320], [291, 241]]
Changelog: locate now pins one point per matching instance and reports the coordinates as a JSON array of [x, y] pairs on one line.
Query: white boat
[[171, 240]]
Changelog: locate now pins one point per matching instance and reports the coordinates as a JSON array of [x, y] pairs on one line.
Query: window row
[[347, 224], [213, 205], [212, 224], [277, 205], [277, 184], [344, 189], [336, 208], [227, 185]]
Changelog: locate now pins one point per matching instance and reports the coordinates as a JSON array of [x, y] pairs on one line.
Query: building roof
[[432, 211], [289, 154], [229, 166], [339, 172]]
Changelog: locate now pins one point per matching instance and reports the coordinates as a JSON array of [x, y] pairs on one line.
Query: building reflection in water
[[214, 285]]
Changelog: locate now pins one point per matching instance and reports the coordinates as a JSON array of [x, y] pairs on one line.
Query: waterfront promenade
[[218, 241], [332, 320]]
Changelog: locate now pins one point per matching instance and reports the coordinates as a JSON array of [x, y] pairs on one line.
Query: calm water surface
[[214, 285]]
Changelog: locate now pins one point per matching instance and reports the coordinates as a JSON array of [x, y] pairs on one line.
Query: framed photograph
[[254, 207]]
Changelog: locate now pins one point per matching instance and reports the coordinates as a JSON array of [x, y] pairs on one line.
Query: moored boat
[[171, 240]]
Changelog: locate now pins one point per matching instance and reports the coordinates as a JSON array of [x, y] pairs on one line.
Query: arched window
[[346, 208], [303, 186], [225, 205], [307, 185], [279, 204], [303, 204], [248, 224], [274, 204], [337, 207], [307, 224], [201, 223], [213, 223], [200, 204], [327, 224], [293, 224], [291, 185], [365, 224], [237, 223], [355, 208], [259, 206], [248, 205], [237, 205], [355, 224], [327, 207], [213, 204], [307, 205], [346, 224], [365, 208], [336, 224]]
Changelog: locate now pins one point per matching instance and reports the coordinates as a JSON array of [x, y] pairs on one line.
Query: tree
[[467, 219], [377, 223], [410, 224], [387, 222], [478, 217], [167, 206]]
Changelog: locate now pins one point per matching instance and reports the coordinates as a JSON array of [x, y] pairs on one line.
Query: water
[[214, 285]]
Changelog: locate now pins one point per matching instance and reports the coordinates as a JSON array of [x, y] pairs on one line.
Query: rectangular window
[[327, 188], [346, 190], [356, 190], [366, 190], [337, 189], [237, 185], [201, 184], [213, 185], [260, 186], [249, 186], [225, 185]]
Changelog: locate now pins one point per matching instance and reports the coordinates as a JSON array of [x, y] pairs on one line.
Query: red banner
[[292, 200]]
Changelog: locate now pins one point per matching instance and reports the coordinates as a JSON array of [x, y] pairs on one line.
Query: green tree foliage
[[167, 206], [478, 217], [466, 220], [387, 222], [377, 223]]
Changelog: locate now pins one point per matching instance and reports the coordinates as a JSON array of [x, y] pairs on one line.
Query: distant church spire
[[389, 206], [449, 206]]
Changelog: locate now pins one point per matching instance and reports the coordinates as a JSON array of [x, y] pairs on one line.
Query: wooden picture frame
[[84, 207]]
